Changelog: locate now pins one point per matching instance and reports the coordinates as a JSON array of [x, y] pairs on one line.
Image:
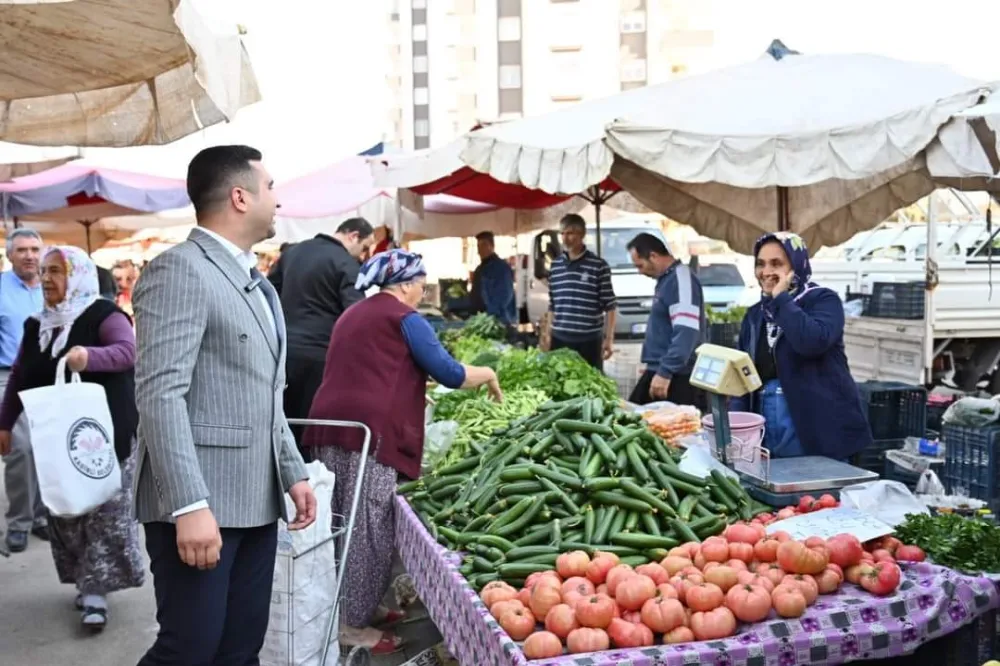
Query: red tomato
[[806, 503], [713, 624], [796, 558], [910, 554], [627, 635], [828, 501], [542, 645], [749, 603], [561, 620], [585, 640], [595, 612], [663, 615], [882, 579], [845, 550]]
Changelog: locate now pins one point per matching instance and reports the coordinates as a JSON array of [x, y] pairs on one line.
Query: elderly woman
[[795, 336], [98, 552], [381, 354]]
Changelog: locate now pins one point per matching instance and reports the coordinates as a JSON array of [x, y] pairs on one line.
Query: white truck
[[724, 284], [957, 342]]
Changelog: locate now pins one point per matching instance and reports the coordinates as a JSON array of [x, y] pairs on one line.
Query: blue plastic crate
[[895, 409], [972, 462]]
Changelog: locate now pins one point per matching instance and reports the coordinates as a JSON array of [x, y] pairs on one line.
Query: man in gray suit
[[215, 452]]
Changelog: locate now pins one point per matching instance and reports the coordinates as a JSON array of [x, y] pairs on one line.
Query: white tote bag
[[73, 441]]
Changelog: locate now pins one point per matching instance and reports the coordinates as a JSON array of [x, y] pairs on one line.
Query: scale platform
[[788, 479]]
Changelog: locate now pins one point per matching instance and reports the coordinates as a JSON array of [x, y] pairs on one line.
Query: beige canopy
[[116, 72]]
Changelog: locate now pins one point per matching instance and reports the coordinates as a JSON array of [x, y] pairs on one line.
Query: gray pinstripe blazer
[[210, 376]]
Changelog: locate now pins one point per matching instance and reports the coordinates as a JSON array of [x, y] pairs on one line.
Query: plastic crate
[[895, 409], [972, 462], [893, 472], [895, 300], [726, 335], [873, 458]]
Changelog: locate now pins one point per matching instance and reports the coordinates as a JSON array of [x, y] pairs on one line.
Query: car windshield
[[614, 244], [720, 275]]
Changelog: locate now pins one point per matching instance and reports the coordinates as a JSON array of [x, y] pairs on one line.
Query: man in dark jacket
[[493, 283], [315, 280]]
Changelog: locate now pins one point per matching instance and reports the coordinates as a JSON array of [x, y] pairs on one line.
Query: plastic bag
[[698, 461], [673, 422], [972, 412], [854, 308], [438, 438], [929, 484], [888, 501]]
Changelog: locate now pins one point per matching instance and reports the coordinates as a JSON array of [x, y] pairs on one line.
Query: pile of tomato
[[699, 591]]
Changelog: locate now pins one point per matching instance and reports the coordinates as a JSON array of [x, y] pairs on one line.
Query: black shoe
[[17, 542], [41, 532]]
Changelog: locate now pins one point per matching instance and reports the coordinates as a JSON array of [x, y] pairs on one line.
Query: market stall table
[[847, 626]]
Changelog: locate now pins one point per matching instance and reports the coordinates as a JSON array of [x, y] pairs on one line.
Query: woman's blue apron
[[780, 437]]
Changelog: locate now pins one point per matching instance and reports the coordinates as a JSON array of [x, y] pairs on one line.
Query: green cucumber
[[604, 524], [521, 552], [602, 447], [690, 479], [635, 560], [622, 501], [461, 466], [632, 521], [641, 541], [618, 524], [568, 425], [511, 514], [687, 507], [520, 569], [596, 483], [683, 531], [589, 523], [409, 486], [543, 444], [558, 477], [549, 560], [560, 495], [593, 465], [524, 519], [642, 495], [649, 524], [635, 461], [520, 488], [584, 461], [628, 436]]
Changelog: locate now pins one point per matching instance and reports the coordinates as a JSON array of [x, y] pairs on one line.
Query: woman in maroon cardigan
[[381, 354]]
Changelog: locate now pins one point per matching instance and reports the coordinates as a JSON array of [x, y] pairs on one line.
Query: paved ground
[[39, 626]]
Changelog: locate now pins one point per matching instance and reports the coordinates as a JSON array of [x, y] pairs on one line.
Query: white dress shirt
[[247, 259]]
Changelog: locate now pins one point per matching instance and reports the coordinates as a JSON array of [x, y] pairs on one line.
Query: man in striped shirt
[[581, 298], [676, 327]]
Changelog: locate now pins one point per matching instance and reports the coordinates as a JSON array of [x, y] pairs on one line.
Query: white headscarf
[[81, 292]]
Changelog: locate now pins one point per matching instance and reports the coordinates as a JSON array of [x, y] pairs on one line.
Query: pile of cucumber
[[581, 474]]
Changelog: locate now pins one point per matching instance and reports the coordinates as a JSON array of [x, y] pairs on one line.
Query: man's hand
[[784, 282], [608, 348], [76, 359], [305, 505], [4, 442], [659, 387], [199, 541]]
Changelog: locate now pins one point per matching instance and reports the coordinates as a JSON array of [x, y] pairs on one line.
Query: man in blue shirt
[[20, 297], [676, 327], [493, 283]]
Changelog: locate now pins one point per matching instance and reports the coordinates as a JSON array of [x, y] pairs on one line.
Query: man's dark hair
[[645, 244], [573, 221], [357, 225], [215, 171], [486, 236]]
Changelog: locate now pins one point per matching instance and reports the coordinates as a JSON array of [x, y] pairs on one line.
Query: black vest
[[37, 368]]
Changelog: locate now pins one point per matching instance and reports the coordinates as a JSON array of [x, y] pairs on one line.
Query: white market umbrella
[[822, 145], [116, 72]]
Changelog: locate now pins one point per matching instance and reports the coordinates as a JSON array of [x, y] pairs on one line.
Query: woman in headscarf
[[381, 354], [795, 336], [99, 552]]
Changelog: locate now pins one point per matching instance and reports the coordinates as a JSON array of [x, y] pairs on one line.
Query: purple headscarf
[[798, 256]]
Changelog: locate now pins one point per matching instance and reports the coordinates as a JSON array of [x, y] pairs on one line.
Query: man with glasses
[[581, 298]]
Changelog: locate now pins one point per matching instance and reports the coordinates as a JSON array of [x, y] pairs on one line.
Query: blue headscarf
[[388, 268], [798, 257]]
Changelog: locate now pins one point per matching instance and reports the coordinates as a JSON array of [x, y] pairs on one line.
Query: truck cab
[[725, 285]]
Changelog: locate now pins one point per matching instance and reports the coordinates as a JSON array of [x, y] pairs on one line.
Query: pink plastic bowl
[[747, 426]]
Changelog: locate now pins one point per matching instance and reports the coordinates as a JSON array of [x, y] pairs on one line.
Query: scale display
[[724, 371]]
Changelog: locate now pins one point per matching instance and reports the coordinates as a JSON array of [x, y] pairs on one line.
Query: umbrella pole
[[597, 197], [86, 225], [784, 224]]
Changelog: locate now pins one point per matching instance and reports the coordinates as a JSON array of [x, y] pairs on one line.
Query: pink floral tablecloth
[[848, 626]]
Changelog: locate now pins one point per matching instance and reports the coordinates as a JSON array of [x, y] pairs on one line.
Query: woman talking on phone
[[795, 336]]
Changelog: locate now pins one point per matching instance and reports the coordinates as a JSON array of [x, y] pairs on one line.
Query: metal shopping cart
[[357, 656]]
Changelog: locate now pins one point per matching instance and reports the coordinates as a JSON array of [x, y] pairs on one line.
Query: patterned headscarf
[[81, 292], [798, 257], [389, 268]]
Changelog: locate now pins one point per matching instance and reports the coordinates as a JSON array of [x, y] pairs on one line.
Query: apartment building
[[454, 63]]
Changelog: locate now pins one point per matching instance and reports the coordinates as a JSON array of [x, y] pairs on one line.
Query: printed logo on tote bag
[[89, 450]]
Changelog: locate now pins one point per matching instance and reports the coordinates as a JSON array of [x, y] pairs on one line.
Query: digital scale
[[730, 373]]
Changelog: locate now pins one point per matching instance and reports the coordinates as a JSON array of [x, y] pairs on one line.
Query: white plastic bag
[[322, 482], [888, 501], [73, 441], [438, 438], [929, 484], [972, 412]]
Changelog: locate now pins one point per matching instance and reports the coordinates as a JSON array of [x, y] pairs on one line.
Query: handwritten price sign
[[830, 522]]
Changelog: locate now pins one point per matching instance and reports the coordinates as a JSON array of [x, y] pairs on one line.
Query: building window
[[419, 4], [509, 29], [510, 53], [421, 96], [566, 74], [510, 76], [508, 8], [419, 63], [419, 17], [633, 70], [421, 142], [510, 102], [633, 22], [420, 33], [422, 128]]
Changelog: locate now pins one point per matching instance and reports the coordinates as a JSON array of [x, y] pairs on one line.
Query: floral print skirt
[[99, 553], [369, 562]]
